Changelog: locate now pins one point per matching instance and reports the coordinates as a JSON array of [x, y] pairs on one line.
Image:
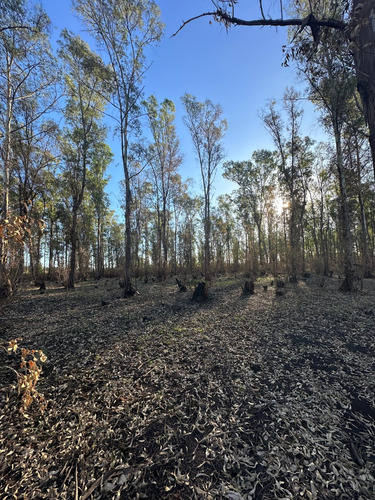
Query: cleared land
[[241, 397]]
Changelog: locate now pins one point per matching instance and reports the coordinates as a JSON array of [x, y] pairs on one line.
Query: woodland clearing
[[157, 397]]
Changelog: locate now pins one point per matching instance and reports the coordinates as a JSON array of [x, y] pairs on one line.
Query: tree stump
[[200, 292], [348, 284], [248, 288], [181, 286], [129, 291], [6, 289]]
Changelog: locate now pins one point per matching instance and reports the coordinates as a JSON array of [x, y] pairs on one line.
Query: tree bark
[[73, 250], [363, 49], [348, 284], [5, 172]]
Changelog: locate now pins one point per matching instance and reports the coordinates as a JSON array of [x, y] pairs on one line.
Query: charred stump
[[6, 289], [129, 291], [248, 288], [200, 292], [348, 284], [181, 286]]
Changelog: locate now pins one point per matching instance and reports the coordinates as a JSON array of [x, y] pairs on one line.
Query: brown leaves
[[28, 376], [233, 398]]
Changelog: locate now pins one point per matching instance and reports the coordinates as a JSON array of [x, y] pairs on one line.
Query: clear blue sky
[[239, 69]]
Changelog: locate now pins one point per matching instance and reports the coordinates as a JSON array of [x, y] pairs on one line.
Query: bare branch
[[17, 27], [184, 23], [228, 20]]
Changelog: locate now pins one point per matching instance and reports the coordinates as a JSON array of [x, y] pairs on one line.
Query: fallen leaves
[[239, 397]]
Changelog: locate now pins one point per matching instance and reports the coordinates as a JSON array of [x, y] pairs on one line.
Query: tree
[[255, 179], [26, 76], [293, 162], [206, 128], [124, 29], [353, 22], [82, 141], [331, 88], [96, 182], [165, 158]]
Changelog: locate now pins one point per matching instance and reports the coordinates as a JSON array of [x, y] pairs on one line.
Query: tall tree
[[83, 134], [96, 183], [206, 127], [124, 29], [165, 160], [332, 87], [352, 21], [293, 165], [26, 74], [254, 179]]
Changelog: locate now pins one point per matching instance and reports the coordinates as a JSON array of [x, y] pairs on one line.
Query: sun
[[280, 204]]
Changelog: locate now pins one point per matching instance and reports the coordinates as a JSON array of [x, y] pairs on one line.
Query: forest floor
[[156, 397]]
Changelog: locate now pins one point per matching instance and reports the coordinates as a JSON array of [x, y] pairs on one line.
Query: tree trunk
[[5, 175], [73, 250], [363, 49], [165, 240], [128, 286], [364, 233], [348, 284], [50, 248], [207, 227]]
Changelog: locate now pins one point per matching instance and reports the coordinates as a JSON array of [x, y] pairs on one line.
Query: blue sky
[[240, 69]]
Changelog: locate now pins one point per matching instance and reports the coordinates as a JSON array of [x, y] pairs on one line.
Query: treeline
[[299, 207]]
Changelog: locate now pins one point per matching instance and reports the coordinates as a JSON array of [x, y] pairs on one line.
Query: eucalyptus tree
[[124, 29], [82, 140], [51, 197], [27, 74], [225, 224], [255, 179], [96, 183], [142, 191], [165, 159], [293, 161], [332, 86], [187, 237], [357, 157], [207, 128], [352, 22], [179, 195], [321, 192]]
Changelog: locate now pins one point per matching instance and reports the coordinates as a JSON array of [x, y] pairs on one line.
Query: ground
[[240, 397]]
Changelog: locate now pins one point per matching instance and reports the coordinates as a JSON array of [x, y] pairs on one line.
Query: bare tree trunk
[[128, 266], [164, 239], [207, 231], [348, 284], [5, 175], [50, 248], [73, 250], [363, 49], [362, 211]]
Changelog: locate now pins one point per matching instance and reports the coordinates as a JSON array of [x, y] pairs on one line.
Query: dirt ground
[[156, 397]]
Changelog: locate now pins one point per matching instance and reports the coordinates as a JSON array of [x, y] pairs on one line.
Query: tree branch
[[228, 20]]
